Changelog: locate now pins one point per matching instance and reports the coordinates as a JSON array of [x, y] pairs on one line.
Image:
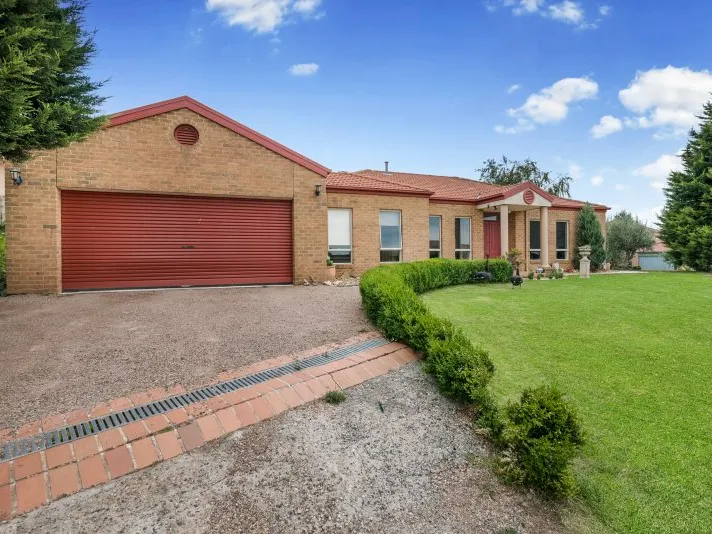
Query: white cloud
[[620, 187], [669, 99], [606, 126], [649, 216], [658, 170], [522, 125], [262, 16], [604, 10], [303, 69], [551, 104], [597, 180], [513, 88], [575, 170], [567, 11]]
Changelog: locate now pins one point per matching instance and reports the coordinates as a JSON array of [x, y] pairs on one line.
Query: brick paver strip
[[135, 430], [168, 444], [144, 453], [119, 461], [191, 436], [178, 417], [92, 471], [57, 456], [110, 439], [245, 414], [23, 482], [31, 493], [210, 427], [5, 502], [85, 447], [228, 420], [157, 423], [63, 481], [4, 473], [26, 466]]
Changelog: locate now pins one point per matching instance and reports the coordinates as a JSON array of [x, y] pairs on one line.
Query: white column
[[544, 228], [504, 228]]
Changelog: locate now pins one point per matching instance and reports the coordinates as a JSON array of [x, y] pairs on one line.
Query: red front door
[[493, 248]]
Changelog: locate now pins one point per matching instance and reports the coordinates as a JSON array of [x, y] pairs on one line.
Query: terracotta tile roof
[[353, 181], [443, 187], [452, 188]]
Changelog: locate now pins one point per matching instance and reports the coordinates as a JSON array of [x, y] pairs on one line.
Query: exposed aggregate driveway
[[58, 353]]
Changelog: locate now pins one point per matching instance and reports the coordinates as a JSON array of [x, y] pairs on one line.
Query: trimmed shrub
[[390, 299], [542, 436]]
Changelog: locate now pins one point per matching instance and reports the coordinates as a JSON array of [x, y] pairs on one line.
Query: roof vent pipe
[[386, 167]]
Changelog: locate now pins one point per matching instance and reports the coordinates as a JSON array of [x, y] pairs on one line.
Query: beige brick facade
[[365, 227], [142, 156]]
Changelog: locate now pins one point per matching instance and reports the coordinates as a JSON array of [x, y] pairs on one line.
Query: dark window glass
[[561, 235], [462, 233], [434, 236], [390, 256], [534, 235]]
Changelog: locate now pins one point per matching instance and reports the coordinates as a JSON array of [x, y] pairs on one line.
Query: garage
[[654, 261], [126, 240]]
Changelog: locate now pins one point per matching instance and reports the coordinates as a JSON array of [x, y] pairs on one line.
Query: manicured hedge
[[539, 436], [390, 298]]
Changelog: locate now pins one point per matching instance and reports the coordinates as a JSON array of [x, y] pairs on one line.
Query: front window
[[339, 230], [391, 243], [534, 240], [435, 236], [462, 238], [562, 240]]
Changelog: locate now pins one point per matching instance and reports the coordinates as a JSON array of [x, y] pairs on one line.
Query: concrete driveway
[[58, 353]]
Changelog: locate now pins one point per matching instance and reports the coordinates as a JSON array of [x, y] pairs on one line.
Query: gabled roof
[[456, 189], [185, 102], [357, 182]]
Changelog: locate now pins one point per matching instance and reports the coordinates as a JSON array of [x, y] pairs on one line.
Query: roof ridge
[[433, 176], [358, 173]]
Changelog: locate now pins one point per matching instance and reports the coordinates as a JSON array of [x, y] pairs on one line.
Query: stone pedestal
[[585, 263]]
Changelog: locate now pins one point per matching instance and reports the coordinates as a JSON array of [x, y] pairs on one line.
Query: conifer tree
[[588, 232]]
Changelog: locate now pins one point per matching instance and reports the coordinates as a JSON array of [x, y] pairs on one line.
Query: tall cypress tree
[[588, 232], [46, 98], [686, 220]]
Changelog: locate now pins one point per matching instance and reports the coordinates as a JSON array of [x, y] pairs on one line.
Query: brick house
[[177, 194]]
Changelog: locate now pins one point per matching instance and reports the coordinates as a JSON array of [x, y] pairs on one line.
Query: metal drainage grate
[[67, 434]]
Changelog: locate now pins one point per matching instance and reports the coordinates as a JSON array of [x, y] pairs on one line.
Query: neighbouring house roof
[[185, 102], [442, 188]]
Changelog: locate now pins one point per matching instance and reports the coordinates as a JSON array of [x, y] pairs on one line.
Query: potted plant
[[330, 269]]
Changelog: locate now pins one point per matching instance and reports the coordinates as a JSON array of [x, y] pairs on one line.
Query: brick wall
[[142, 156], [365, 224], [449, 212]]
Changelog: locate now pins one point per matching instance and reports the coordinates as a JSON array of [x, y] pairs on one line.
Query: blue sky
[[603, 90]]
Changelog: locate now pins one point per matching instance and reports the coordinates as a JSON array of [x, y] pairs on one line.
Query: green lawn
[[634, 352]]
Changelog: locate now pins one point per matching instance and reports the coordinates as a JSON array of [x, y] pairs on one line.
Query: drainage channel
[[68, 434]]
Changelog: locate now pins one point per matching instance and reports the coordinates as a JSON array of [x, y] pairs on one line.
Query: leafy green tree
[[686, 220], [506, 172], [46, 98], [588, 232], [625, 235]]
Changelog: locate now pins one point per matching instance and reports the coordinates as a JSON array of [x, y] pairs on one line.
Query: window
[[435, 236], [562, 240], [339, 230], [534, 240], [391, 244], [462, 238]]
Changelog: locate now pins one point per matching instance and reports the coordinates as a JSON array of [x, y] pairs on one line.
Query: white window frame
[[469, 239], [564, 250], [440, 236], [400, 235], [351, 237], [530, 241]]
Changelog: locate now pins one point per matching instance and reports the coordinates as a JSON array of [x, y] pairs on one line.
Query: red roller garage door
[[120, 240]]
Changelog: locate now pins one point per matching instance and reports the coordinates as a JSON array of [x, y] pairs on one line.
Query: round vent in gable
[[186, 134]]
